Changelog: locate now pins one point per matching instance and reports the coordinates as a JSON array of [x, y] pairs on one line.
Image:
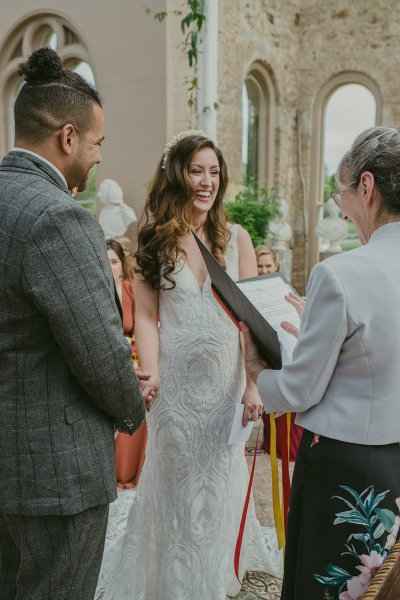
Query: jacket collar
[[390, 230], [24, 162]]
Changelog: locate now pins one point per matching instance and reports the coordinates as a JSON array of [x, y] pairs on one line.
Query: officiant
[[344, 383]]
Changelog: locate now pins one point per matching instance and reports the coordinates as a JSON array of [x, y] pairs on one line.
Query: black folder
[[241, 309]]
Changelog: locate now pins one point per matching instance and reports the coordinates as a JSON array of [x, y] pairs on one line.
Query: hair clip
[[181, 136]]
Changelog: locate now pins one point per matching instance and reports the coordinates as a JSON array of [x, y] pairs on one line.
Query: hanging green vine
[[191, 25]]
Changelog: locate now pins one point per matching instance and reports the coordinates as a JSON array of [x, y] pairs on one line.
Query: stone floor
[[257, 585]]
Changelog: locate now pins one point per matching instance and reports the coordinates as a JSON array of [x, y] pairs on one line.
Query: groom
[[66, 373]]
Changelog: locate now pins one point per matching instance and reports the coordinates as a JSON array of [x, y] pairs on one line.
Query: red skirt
[[130, 454]]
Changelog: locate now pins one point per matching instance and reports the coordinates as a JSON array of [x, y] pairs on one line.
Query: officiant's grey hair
[[376, 150]]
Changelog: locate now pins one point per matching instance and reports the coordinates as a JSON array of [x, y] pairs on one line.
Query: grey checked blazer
[[65, 368], [344, 380]]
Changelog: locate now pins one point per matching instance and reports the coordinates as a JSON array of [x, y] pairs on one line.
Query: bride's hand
[[150, 389], [253, 407]]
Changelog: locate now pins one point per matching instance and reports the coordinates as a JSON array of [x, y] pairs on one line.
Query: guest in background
[[130, 450], [268, 262], [127, 247]]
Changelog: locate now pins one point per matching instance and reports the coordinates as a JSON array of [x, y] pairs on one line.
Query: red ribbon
[[244, 515], [285, 445], [222, 305]]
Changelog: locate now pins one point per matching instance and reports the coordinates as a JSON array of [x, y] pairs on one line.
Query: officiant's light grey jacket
[[344, 379], [65, 368]]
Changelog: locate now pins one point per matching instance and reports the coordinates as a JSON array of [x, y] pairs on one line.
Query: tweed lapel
[[22, 162]]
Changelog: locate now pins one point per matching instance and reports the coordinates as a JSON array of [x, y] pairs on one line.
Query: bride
[[182, 528]]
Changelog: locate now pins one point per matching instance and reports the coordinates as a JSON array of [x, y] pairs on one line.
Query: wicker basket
[[386, 583]]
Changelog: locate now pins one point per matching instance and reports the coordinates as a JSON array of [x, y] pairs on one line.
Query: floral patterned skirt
[[343, 517]]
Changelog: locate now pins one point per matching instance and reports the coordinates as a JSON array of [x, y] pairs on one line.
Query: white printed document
[[267, 294]]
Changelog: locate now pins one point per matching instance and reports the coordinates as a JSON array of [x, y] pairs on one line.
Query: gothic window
[[251, 130], [258, 110], [39, 32], [349, 110], [345, 105]]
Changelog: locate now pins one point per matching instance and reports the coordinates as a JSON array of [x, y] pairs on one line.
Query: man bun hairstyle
[[42, 66], [51, 97]]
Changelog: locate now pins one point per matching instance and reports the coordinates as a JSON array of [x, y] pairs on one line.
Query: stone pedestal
[[285, 260]]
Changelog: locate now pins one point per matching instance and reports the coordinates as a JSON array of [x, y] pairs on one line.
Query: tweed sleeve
[[67, 274]]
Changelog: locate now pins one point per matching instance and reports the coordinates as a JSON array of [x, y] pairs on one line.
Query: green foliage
[[329, 184], [254, 208], [352, 241], [374, 521], [352, 228], [191, 25], [350, 245], [87, 198]]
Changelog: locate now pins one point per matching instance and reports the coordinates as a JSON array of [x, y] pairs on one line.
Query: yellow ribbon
[[276, 503]]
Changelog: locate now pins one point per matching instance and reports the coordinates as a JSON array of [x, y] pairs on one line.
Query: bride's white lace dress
[[182, 527]]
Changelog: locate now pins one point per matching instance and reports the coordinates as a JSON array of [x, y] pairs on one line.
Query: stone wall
[[306, 47]]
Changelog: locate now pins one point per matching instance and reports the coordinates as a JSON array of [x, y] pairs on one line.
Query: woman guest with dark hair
[[268, 262], [130, 450], [183, 527], [127, 247], [344, 384]]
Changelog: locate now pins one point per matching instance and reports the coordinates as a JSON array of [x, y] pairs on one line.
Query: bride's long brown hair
[[168, 210]]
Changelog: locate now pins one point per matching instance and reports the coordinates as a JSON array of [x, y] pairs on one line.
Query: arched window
[[251, 130], [347, 104], [258, 127], [350, 109], [39, 32]]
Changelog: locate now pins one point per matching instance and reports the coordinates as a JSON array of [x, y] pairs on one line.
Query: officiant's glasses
[[336, 195]]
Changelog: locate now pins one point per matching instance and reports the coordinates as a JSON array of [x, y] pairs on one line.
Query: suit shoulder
[[348, 269], [67, 215], [344, 261]]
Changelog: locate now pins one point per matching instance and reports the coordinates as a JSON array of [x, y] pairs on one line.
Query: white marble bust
[[115, 215], [332, 228], [280, 231]]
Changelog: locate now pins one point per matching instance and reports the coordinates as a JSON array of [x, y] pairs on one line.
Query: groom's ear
[[68, 138]]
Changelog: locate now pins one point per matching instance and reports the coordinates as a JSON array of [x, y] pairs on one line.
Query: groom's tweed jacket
[[65, 368]]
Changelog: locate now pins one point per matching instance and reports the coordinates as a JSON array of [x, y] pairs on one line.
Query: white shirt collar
[[388, 230], [44, 160]]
